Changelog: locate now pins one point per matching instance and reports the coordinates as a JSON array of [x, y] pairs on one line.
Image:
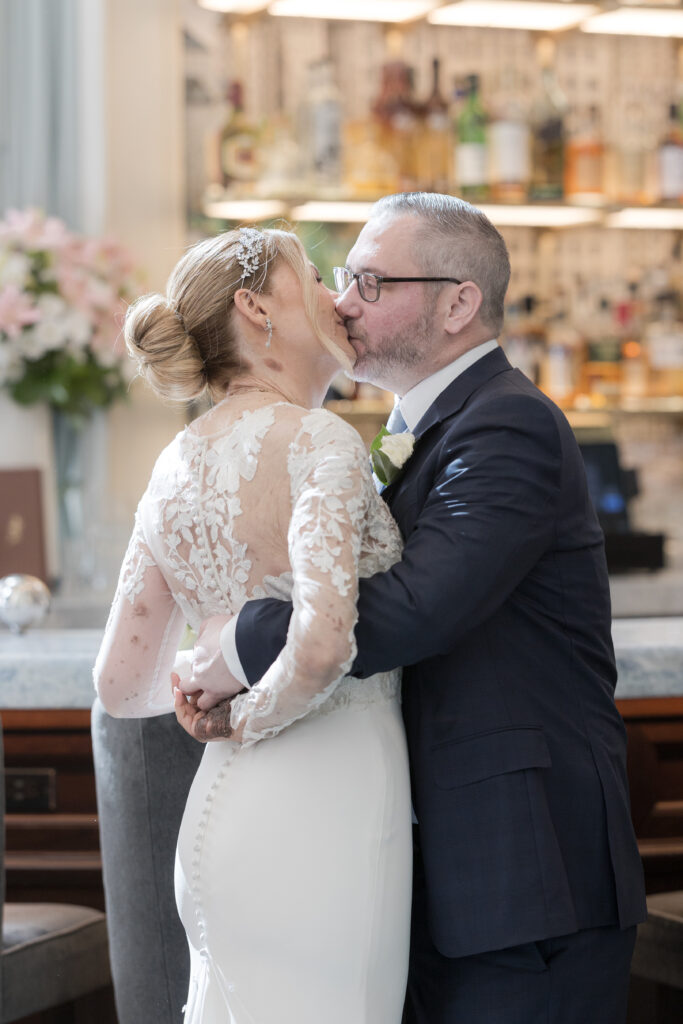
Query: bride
[[293, 866]]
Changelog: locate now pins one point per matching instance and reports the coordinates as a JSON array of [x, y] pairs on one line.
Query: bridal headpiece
[[249, 250]]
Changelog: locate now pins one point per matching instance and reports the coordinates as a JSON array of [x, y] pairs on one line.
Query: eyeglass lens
[[368, 285]]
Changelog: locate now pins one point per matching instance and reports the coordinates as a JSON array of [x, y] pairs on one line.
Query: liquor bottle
[[239, 150], [322, 126], [283, 172], [509, 142], [524, 337], [397, 117], [628, 155], [370, 169], [471, 154], [434, 146], [670, 159], [664, 343], [602, 370], [563, 354], [584, 162], [547, 131], [634, 365]]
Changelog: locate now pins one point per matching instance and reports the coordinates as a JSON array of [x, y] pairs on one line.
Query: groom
[[528, 884]]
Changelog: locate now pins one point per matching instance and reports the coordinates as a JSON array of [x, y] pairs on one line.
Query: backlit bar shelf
[[541, 215]]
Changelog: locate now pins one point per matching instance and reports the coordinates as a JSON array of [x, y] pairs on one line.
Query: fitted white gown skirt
[[293, 874]]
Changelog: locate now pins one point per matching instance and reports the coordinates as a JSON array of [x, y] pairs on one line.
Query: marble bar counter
[[649, 594], [48, 668], [52, 668], [649, 657]]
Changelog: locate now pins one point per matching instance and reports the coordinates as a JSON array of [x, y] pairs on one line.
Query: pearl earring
[[269, 328]]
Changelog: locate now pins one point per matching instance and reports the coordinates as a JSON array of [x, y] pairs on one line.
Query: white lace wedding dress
[[293, 868]]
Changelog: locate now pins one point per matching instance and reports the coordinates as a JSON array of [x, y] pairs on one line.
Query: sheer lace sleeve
[[132, 670], [330, 491]]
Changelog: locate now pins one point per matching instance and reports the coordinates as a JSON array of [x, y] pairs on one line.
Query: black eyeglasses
[[369, 285]]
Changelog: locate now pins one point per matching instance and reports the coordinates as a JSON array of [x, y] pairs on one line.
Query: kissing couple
[[438, 653]]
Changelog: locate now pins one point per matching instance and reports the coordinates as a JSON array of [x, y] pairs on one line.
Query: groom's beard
[[378, 361]]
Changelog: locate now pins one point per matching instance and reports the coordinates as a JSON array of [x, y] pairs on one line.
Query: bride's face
[[292, 327]]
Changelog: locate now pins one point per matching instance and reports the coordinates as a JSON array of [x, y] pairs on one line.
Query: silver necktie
[[396, 424]]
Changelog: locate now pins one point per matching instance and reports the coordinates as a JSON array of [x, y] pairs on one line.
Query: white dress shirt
[[413, 406]]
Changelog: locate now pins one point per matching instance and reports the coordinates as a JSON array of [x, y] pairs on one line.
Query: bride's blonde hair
[[184, 342]]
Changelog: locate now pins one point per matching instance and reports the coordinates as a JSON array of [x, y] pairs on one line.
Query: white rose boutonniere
[[389, 454]]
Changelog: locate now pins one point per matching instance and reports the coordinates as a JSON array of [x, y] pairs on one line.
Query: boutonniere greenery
[[389, 454]]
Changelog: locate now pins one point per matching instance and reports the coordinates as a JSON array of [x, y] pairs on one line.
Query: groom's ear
[[249, 304], [463, 304]]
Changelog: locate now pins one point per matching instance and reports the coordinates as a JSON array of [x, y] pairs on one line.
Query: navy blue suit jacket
[[500, 614]]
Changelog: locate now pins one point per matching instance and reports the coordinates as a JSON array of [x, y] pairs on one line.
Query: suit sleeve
[[489, 517]]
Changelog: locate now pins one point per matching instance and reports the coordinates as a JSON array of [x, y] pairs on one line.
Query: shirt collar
[[415, 402]]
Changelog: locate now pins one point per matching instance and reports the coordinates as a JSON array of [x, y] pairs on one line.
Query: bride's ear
[[249, 305]]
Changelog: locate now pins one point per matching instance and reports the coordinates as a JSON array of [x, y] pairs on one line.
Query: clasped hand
[[202, 701]]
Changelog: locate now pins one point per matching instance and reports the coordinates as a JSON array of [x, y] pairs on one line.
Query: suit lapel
[[452, 399]]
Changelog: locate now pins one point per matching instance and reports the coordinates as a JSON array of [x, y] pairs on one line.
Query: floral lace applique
[[294, 484]]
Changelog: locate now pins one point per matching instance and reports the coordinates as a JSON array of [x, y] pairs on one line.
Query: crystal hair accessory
[[249, 250]]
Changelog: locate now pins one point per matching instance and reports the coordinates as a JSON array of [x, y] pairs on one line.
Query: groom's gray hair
[[458, 240]]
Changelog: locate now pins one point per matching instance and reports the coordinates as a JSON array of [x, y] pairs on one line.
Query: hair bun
[[165, 353]]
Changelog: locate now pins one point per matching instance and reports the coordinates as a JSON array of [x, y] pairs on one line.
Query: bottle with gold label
[[584, 164], [664, 343], [433, 149], [397, 119], [238, 144]]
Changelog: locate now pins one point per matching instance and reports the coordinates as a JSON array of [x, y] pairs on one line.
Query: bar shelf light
[[632, 20], [245, 210], [640, 18], [657, 218], [350, 212], [661, 218], [519, 14], [233, 6], [393, 11]]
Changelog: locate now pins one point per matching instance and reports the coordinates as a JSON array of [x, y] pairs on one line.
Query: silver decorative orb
[[24, 601]]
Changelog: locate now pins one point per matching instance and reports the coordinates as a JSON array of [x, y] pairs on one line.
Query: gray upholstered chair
[[144, 769], [657, 967], [658, 955], [52, 953]]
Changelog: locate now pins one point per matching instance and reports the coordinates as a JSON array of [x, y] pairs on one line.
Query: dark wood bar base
[[53, 854], [655, 771]]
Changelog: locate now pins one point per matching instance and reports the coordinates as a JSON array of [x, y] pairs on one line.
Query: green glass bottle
[[471, 153]]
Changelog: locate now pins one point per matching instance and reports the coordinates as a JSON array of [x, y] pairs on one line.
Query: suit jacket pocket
[[475, 758]]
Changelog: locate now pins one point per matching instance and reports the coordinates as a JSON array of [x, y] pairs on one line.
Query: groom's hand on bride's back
[[210, 679], [201, 725]]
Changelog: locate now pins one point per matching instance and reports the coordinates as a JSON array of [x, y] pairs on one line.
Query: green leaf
[[378, 438], [75, 386], [385, 471]]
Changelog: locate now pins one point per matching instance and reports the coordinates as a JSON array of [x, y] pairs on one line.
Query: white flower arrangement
[[389, 454], [61, 303]]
